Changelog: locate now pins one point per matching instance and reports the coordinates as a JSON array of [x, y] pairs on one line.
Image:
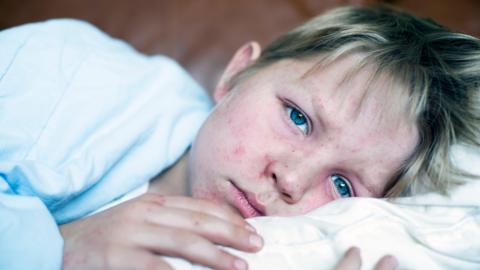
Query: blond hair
[[440, 69]]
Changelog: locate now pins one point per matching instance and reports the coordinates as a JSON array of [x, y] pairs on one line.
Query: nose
[[291, 184]]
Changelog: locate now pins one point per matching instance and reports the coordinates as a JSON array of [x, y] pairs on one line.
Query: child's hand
[[133, 234], [352, 261]]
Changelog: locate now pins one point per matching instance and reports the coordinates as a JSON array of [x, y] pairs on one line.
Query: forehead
[[357, 87]]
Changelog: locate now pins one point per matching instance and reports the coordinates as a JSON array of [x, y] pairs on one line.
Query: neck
[[172, 181]]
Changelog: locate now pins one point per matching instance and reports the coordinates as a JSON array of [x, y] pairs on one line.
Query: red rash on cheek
[[239, 150], [203, 193]]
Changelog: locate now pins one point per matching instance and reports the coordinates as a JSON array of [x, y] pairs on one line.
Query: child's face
[[283, 142]]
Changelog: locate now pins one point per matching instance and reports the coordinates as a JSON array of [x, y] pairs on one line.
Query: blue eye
[[299, 119], [342, 186]]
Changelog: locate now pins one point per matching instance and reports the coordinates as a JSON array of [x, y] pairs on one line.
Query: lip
[[245, 202]]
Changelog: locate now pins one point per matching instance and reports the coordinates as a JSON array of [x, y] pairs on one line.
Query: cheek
[[246, 134], [239, 150], [204, 193], [312, 203], [316, 198]]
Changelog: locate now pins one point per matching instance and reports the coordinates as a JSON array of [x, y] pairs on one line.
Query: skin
[[250, 141], [251, 159]]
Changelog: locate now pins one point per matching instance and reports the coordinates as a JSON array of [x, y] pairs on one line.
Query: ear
[[243, 57]]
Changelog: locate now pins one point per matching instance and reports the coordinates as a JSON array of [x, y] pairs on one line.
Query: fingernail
[[392, 261], [250, 228], [240, 264], [256, 241], [352, 250]]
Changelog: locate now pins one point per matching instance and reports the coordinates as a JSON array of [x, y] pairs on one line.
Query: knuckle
[[137, 209], [155, 198], [191, 243], [199, 218], [237, 232], [148, 196]]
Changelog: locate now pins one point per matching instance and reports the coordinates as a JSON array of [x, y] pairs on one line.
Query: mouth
[[246, 205]]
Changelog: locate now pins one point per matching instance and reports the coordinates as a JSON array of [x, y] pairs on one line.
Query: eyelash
[[290, 109], [337, 184]]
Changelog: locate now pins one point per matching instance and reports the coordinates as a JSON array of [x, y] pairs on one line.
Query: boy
[[357, 102]]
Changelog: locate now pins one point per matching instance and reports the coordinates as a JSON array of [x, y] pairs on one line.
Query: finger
[[211, 227], [351, 260], [387, 262], [199, 206], [127, 258], [147, 260], [184, 244]]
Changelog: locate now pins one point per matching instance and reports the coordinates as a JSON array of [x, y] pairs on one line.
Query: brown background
[[203, 34]]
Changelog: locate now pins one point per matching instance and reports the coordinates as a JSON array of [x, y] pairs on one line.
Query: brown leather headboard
[[203, 34]]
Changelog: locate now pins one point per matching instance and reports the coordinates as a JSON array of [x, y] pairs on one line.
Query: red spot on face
[[206, 194], [239, 150]]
